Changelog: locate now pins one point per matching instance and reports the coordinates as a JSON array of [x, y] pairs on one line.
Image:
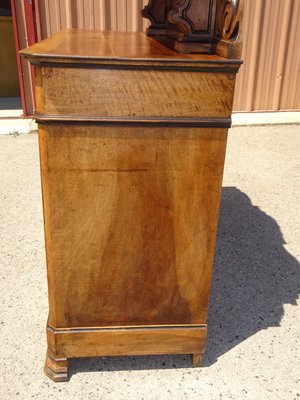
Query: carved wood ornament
[[155, 11], [200, 26]]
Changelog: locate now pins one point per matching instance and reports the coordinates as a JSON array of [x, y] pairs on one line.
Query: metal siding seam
[[63, 10], [254, 55], [262, 77], [241, 83], [68, 14], [92, 14], [101, 13], [282, 53], [271, 61], [285, 97], [295, 62], [48, 19], [134, 17], [113, 15], [80, 14]]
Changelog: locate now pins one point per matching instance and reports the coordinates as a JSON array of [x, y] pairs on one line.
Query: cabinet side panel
[[48, 229], [132, 216]]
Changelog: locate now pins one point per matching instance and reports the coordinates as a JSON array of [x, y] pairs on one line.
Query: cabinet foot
[[197, 360], [56, 368]]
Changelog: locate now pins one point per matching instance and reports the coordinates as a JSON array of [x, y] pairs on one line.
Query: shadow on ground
[[254, 277]]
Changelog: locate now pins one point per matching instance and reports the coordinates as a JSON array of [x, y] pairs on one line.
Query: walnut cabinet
[[132, 139]]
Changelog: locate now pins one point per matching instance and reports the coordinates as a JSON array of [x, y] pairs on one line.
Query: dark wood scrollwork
[[156, 11], [230, 19], [197, 25], [175, 13], [228, 28], [191, 17]]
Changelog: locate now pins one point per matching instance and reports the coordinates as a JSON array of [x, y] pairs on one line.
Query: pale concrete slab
[[254, 319]]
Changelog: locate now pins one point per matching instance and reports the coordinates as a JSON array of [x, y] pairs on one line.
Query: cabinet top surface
[[73, 45]]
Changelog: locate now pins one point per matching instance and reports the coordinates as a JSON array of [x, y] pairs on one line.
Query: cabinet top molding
[[197, 26], [98, 49]]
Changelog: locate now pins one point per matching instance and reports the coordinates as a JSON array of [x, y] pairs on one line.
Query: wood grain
[[133, 93], [56, 368], [197, 360], [133, 341], [80, 45], [64, 344], [130, 223]]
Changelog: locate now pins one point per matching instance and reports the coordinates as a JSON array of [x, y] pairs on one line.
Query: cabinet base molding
[[117, 341], [56, 368], [197, 360]]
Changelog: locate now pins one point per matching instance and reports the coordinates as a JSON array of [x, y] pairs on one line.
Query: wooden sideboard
[[132, 140]]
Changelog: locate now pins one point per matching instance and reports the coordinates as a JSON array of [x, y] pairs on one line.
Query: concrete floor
[[253, 344]]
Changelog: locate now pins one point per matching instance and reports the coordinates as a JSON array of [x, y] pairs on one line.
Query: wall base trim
[[266, 118], [16, 126]]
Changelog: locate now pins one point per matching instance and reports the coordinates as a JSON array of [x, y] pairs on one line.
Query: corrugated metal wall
[[118, 15], [268, 81], [23, 42]]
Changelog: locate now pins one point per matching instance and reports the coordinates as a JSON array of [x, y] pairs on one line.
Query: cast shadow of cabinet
[[254, 277]]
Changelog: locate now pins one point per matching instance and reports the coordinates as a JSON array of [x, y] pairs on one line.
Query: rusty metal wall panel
[[269, 79]]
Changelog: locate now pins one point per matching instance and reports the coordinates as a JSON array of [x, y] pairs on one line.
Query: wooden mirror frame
[[197, 26]]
